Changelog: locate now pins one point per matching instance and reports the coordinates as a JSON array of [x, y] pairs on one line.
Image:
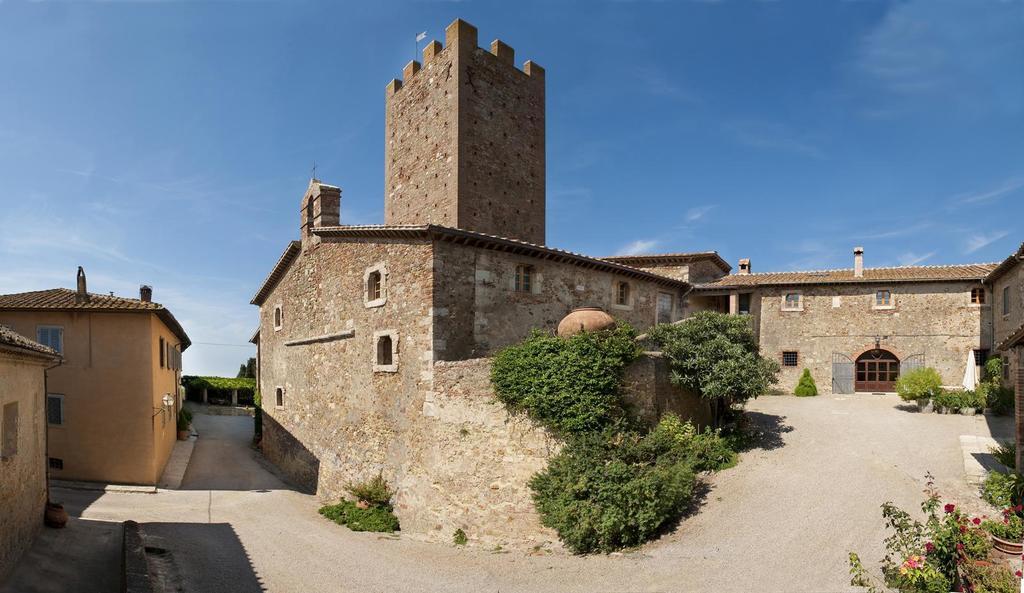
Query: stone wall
[[22, 474], [477, 310], [650, 394], [465, 141], [934, 319], [342, 421], [1005, 325]]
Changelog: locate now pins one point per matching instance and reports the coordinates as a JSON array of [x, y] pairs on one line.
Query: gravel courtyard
[[782, 520]]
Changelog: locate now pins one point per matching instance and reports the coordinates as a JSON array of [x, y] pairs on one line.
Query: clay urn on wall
[[584, 319]]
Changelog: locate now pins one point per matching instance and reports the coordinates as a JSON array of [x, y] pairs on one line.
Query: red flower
[[949, 508], [976, 521], [929, 547], [1018, 508], [963, 529], [959, 546], [1019, 574]]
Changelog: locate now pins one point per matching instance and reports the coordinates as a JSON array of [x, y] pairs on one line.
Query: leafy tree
[[247, 370], [716, 355], [922, 383], [806, 386]]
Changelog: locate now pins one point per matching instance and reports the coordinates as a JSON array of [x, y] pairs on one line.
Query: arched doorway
[[877, 370]]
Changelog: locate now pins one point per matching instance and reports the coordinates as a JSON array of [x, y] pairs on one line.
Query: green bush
[[958, 399], [1000, 399], [602, 493], [1011, 526], [374, 491], [372, 518], [706, 451], [716, 356], [919, 383], [1003, 490], [806, 386], [459, 537], [183, 420], [1005, 453], [218, 387], [570, 385]]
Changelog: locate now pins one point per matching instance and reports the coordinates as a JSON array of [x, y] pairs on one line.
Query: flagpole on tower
[[419, 38]]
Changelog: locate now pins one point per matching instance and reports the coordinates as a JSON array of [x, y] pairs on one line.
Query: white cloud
[[698, 212], [774, 136], [979, 241], [912, 259], [1007, 187], [640, 246]]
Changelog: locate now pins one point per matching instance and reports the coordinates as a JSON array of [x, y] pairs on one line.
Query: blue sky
[[169, 143]]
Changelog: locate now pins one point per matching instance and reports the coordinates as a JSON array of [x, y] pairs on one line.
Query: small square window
[[55, 409], [56, 463], [524, 278], [279, 397], [793, 301], [978, 296], [790, 358], [883, 298]]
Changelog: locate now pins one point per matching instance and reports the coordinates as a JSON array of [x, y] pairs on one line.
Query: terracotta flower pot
[[584, 319], [183, 435], [1013, 548], [924, 405], [55, 516]]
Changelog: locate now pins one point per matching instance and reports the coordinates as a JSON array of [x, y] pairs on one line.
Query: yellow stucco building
[[111, 407]]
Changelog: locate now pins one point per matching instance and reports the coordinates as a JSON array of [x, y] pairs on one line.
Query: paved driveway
[[784, 519]]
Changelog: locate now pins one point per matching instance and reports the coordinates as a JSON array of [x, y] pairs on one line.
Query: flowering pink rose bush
[[948, 551]]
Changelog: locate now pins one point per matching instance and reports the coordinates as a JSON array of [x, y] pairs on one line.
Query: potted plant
[[1007, 534], [55, 515], [183, 422]]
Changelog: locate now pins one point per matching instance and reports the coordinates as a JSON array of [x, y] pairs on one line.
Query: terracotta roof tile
[[654, 259], [965, 272], [10, 339], [64, 299]]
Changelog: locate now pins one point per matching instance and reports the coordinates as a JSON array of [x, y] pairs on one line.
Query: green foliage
[[806, 386], [184, 418], [957, 399], [603, 493], [374, 491], [1000, 399], [187, 413], [997, 489], [706, 451], [247, 369], [993, 371], [990, 578], [570, 385], [1010, 527], [1005, 453], [372, 518], [919, 383], [716, 356], [459, 537], [218, 387]]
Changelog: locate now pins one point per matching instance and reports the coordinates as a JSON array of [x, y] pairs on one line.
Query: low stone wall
[[649, 391]]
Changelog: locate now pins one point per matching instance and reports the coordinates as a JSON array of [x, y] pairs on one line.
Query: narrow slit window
[[9, 431], [163, 350], [55, 409], [278, 317], [373, 286], [279, 397]]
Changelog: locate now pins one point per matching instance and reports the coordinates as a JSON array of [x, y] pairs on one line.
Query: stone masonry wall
[[478, 311], [1004, 325], [342, 421], [22, 478], [934, 319], [464, 141]]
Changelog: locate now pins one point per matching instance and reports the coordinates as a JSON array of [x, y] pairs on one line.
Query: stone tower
[[464, 140]]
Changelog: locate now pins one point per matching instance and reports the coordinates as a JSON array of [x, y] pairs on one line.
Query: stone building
[[374, 339], [111, 408], [856, 328], [1007, 282], [23, 365]]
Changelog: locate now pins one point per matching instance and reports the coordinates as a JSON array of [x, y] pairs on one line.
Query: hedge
[[218, 387]]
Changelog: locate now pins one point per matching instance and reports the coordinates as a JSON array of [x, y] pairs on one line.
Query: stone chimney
[[858, 262], [744, 267], [81, 294], [146, 293]]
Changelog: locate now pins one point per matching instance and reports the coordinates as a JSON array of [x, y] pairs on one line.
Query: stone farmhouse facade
[[374, 340], [1007, 282], [23, 367]]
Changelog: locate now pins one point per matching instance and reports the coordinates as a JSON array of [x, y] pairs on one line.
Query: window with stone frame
[[9, 431], [790, 358], [1006, 300], [793, 301], [279, 397], [375, 285], [883, 298], [622, 294], [524, 278], [977, 296], [385, 351], [278, 317]]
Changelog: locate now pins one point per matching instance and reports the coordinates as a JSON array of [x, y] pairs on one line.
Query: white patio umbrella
[[971, 372]]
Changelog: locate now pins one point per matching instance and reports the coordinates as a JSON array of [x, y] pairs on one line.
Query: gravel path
[[783, 520]]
